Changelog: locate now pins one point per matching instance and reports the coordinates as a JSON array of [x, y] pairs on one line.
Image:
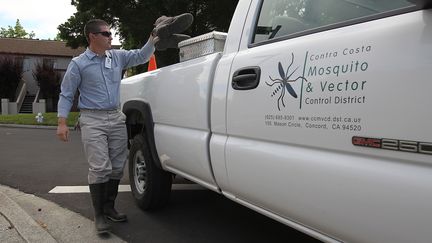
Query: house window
[[26, 65], [49, 62]]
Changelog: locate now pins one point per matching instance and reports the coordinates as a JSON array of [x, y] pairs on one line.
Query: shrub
[[11, 72], [48, 81]]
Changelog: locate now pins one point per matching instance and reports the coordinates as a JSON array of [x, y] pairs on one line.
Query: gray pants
[[104, 137]]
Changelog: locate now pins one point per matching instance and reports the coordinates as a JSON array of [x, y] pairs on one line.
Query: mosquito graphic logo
[[283, 83]]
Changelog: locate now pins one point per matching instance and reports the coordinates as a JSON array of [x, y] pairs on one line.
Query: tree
[[134, 20], [11, 72], [48, 80], [72, 31], [16, 32]]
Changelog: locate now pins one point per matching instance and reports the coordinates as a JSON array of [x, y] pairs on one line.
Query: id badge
[[108, 60]]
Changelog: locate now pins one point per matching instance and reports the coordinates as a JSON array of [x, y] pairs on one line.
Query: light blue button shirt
[[98, 78]]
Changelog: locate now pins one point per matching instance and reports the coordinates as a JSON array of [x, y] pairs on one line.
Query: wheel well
[[139, 120], [135, 124]]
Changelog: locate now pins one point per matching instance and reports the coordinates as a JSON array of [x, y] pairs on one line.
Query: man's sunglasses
[[104, 33]]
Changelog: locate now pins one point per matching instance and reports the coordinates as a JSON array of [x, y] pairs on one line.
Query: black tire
[[151, 186]]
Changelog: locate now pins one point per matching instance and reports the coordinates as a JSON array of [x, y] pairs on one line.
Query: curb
[[31, 126], [35, 219], [25, 225]]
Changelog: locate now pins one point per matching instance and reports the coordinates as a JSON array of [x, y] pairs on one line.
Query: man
[[96, 73]]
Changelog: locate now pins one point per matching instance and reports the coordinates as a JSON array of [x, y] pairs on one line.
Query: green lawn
[[50, 119]]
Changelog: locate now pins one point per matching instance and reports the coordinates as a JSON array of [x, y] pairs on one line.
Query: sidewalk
[[27, 218]]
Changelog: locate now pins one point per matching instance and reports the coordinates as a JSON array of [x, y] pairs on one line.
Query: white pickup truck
[[316, 113]]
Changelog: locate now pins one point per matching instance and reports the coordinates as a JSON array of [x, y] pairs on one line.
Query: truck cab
[[314, 114]]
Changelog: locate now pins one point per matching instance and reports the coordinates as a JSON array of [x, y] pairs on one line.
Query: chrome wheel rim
[[140, 172]]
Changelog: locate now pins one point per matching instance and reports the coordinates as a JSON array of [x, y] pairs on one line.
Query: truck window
[[284, 18]]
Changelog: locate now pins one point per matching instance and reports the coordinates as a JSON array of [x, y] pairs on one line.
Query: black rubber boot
[[98, 195], [166, 26], [109, 210], [171, 42]]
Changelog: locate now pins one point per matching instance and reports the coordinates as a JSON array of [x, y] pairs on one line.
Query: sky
[[40, 16]]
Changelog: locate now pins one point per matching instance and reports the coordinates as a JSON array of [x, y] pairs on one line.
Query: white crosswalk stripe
[[122, 188]]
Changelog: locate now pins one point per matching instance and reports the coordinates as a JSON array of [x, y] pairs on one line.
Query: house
[[32, 51]]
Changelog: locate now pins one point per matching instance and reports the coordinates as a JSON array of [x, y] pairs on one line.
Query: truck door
[[326, 117]]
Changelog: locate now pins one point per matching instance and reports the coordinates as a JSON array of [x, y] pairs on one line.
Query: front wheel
[[151, 186]]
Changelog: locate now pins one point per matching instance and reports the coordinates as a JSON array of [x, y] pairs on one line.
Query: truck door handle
[[246, 78]]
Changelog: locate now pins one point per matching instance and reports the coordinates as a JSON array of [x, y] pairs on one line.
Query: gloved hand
[[167, 26]]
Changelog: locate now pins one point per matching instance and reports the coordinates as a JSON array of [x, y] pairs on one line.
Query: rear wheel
[[151, 186]]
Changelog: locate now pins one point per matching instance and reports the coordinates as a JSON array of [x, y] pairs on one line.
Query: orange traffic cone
[[152, 63]]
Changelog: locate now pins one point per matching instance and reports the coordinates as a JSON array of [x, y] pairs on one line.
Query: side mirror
[[422, 3]]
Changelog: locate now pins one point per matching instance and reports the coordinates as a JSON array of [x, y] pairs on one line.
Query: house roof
[[18, 46]]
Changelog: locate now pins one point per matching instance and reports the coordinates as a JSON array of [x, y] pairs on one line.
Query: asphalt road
[[34, 161]]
